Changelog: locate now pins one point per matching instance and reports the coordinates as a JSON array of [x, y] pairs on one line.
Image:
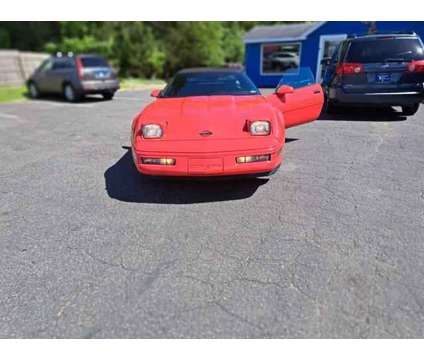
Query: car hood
[[224, 117]]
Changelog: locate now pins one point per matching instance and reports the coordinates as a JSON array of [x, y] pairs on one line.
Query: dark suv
[[73, 77], [378, 70]]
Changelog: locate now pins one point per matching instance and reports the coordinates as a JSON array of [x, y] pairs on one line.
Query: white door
[[327, 45]]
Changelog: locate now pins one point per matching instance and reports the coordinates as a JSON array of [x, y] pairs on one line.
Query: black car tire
[[410, 110], [108, 95], [70, 94], [329, 106], [33, 91]]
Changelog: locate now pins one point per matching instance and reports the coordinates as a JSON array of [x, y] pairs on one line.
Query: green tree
[[191, 44], [86, 44], [82, 37], [137, 51], [30, 35], [232, 43], [4, 39]]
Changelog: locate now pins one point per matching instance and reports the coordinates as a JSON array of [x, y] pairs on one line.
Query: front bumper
[[95, 86], [209, 164], [338, 96]]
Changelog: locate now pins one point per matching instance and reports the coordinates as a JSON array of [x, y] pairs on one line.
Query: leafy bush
[[86, 44], [136, 50], [4, 39]]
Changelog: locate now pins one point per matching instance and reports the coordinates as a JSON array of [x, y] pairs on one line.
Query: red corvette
[[213, 122]]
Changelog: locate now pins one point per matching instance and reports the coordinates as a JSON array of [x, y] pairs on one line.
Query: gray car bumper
[[338, 96], [100, 85]]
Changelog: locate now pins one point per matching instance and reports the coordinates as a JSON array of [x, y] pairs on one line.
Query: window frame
[[105, 63], [47, 65], [262, 73]]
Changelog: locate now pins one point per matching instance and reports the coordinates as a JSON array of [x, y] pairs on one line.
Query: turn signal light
[[158, 161], [349, 69], [253, 158]]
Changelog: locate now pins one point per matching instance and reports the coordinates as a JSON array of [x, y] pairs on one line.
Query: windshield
[[297, 78], [209, 83], [387, 49], [94, 62]]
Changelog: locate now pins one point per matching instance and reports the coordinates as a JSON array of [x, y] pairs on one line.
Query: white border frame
[[322, 39], [261, 73]]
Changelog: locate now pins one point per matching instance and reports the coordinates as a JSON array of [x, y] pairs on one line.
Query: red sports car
[[215, 122]]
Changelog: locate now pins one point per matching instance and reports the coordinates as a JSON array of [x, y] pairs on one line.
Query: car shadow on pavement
[[124, 183], [60, 99], [363, 114]]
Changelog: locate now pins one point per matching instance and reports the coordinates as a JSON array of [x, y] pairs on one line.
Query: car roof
[[90, 55], [60, 55], [376, 36], [201, 70]]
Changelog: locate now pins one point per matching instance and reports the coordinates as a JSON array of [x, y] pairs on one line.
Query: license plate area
[[383, 78], [101, 75], [205, 166]]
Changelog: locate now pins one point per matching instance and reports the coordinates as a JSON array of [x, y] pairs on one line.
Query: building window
[[278, 58]]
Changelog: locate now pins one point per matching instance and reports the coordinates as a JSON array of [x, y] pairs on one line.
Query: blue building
[[272, 50]]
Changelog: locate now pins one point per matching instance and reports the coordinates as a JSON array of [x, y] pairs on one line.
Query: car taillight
[[416, 66], [349, 68], [80, 68]]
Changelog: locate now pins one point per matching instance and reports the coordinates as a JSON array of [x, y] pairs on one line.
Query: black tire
[[410, 110], [329, 107], [70, 94], [33, 91], [108, 95]]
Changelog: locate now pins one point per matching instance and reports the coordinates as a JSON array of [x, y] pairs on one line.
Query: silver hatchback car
[[74, 77]]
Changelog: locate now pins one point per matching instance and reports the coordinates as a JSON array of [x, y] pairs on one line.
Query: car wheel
[[329, 107], [108, 95], [70, 94], [33, 91], [410, 110]]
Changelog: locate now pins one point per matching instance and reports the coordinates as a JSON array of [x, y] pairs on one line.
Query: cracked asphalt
[[330, 246]]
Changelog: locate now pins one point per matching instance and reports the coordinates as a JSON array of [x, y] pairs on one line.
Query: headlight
[[260, 127], [152, 131]]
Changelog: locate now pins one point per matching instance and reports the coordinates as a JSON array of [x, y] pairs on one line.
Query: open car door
[[298, 97]]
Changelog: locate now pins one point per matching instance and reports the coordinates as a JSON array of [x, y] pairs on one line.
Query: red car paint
[[205, 134]]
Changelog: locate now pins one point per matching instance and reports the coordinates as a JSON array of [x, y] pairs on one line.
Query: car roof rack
[[61, 54], [378, 33], [403, 32]]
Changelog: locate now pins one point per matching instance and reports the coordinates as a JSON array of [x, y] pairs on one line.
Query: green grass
[[10, 94], [140, 84]]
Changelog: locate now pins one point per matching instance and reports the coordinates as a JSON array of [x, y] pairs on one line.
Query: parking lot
[[330, 246]]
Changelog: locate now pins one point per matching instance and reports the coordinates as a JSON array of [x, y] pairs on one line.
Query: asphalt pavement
[[332, 245]]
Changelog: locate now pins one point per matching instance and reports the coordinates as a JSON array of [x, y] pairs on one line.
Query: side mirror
[[285, 89], [155, 93]]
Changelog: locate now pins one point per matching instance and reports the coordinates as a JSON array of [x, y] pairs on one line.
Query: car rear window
[[94, 62], [210, 83], [387, 49]]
